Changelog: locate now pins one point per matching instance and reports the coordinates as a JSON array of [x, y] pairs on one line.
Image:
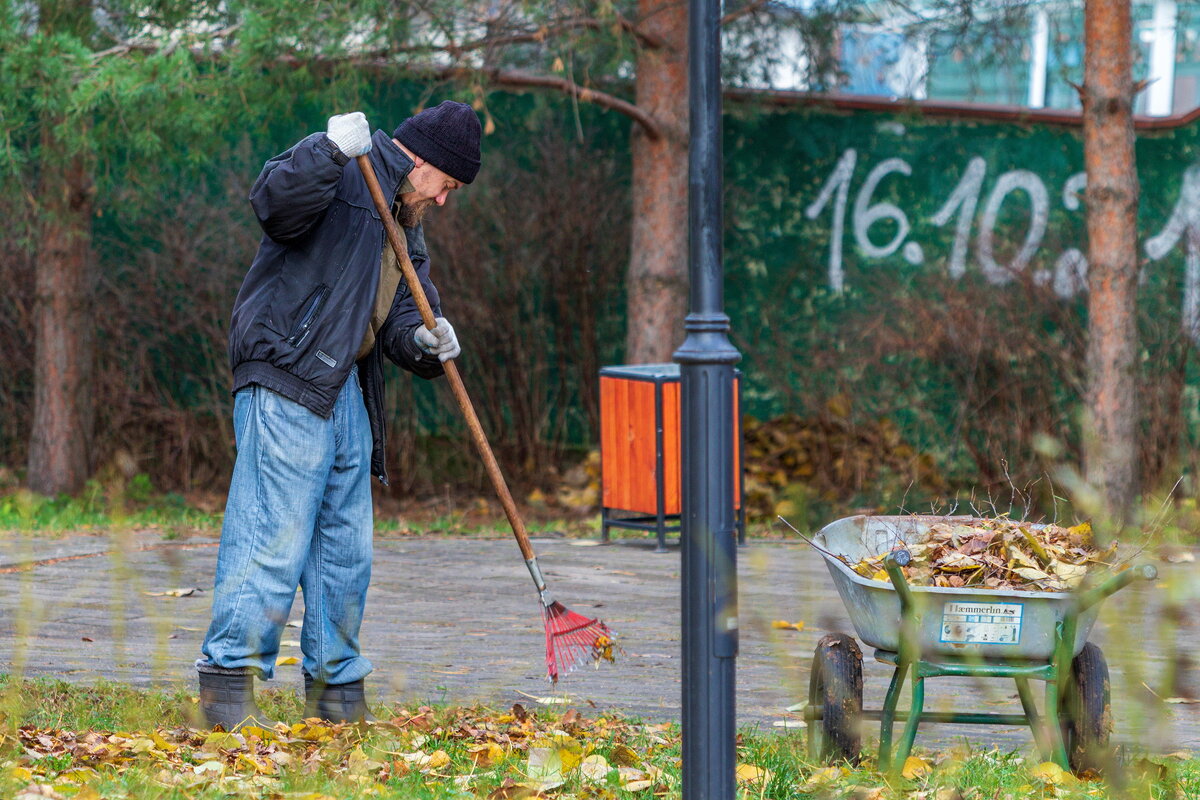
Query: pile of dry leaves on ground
[[463, 747], [831, 456], [998, 554]]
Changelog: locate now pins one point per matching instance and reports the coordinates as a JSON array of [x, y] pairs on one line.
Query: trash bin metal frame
[[626, 504]]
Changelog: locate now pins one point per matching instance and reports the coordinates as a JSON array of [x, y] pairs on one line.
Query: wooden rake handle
[[460, 391]]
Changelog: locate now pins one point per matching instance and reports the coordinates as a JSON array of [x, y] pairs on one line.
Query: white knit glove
[[351, 133], [440, 341]]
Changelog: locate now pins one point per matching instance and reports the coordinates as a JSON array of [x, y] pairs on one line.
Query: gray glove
[[351, 133], [440, 341]]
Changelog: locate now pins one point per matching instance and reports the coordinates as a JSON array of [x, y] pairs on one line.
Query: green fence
[[931, 269]]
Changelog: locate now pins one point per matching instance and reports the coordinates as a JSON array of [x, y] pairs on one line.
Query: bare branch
[[745, 10], [546, 31], [170, 47], [529, 80], [648, 39]]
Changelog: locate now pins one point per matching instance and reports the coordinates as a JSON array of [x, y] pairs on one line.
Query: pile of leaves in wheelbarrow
[[998, 554]]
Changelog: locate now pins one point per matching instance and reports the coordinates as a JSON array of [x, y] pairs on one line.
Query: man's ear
[[416, 159]]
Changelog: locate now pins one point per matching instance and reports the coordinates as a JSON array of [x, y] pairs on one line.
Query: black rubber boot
[[227, 699], [340, 702]]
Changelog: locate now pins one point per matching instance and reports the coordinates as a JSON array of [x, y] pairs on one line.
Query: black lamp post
[[709, 548]]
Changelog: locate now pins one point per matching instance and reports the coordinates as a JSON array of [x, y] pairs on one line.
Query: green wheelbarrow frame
[[1047, 728]]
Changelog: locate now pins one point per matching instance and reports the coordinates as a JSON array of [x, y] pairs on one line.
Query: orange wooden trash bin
[[640, 450]]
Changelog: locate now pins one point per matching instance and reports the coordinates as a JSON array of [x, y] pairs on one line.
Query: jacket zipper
[[314, 308]]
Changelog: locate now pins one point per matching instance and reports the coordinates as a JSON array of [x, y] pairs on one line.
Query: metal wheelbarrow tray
[[971, 631], [984, 623]]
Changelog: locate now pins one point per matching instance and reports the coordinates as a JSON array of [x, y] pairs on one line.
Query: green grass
[[112, 741], [118, 504]]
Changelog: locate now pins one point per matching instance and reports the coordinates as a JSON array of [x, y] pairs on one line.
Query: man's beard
[[409, 215]]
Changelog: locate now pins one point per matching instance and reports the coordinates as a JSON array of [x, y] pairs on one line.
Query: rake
[[571, 638]]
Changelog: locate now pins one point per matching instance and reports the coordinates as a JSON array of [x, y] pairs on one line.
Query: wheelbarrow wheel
[[836, 688], [1085, 710]]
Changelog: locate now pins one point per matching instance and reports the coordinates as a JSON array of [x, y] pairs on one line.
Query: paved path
[[457, 620]]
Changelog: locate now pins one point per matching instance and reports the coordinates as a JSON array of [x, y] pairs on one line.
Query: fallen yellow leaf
[[219, 740], [625, 756], [260, 766], [1052, 774], [285, 660], [163, 744], [486, 755], [437, 760], [784, 625], [1083, 529], [824, 777], [915, 768], [82, 775], [747, 774], [265, 734], [142, 744]]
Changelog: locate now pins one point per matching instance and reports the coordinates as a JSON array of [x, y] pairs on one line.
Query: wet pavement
[[457, 620]]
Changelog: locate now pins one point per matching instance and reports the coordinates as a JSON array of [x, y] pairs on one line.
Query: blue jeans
[[299, 512]]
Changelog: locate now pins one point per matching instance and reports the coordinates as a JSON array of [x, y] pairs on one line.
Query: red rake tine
[[572, 638]]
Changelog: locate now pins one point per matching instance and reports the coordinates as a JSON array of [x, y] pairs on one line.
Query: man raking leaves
[[570, 638], [325, 300]]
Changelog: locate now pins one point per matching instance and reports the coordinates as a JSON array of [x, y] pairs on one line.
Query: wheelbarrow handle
[[892, 562], [910, 647], [1090, 597]]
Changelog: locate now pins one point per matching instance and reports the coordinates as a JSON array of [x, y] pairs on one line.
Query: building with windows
[[1009, 53]]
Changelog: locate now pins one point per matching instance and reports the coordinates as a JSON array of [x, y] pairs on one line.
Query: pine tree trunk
[[657, 284], [60, 441], [1110, 454]]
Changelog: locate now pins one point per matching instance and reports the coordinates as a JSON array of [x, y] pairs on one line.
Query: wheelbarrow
[[930, 632]]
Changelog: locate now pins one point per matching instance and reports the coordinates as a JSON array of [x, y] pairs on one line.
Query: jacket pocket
[[312, 309]]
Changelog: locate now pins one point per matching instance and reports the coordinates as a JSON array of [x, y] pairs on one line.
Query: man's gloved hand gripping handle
[[351, 133], [439, 341]]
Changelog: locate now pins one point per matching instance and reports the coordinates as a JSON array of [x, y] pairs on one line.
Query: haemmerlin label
[[981, 623]]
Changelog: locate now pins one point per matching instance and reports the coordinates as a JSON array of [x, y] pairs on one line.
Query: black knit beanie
[[447, 137]]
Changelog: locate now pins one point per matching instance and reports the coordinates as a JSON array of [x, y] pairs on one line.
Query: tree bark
[[1110, 453], [657, 280], [61, 439]]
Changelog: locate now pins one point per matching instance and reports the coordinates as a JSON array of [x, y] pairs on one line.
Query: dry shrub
[[1007, 367], [169, 275]]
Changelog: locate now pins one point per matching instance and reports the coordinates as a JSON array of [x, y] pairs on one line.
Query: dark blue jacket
[[305, 304]]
